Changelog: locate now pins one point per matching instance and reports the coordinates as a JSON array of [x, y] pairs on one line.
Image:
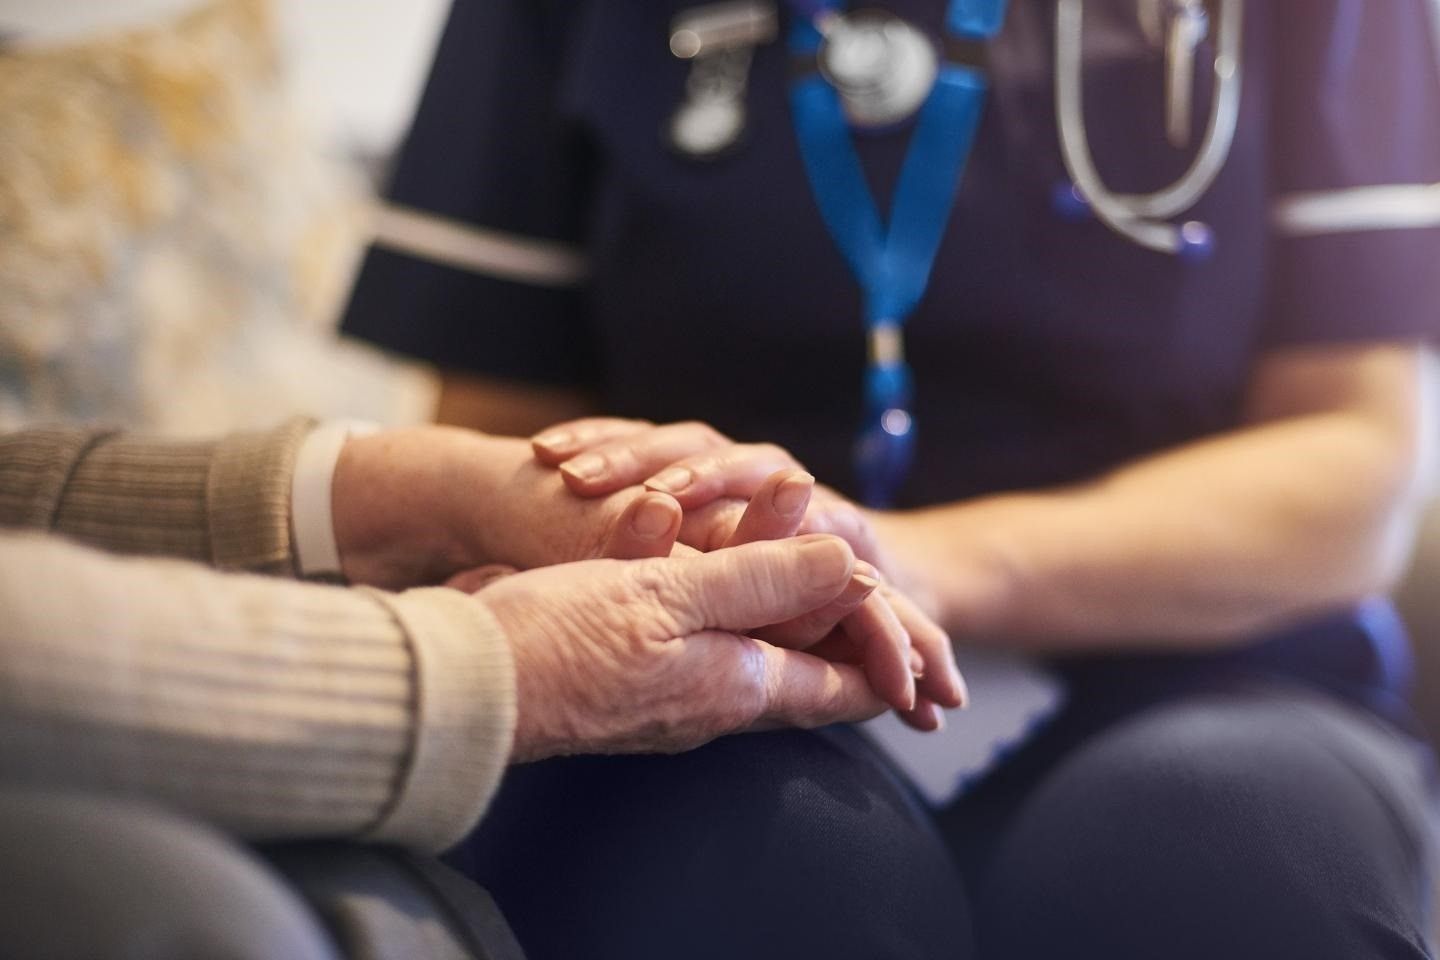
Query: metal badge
[[719, 41], [883, 67], [711, 118]]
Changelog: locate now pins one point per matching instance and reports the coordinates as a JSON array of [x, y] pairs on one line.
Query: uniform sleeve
[[477, 259], [1355, 164]]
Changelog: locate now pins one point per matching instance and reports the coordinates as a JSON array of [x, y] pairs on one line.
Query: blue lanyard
[[892, 264]]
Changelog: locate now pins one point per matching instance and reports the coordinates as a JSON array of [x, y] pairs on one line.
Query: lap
[[90, 877], [1251, 822], [770, 845]]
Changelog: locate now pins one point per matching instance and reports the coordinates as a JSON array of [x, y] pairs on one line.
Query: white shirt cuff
[[312, 519]]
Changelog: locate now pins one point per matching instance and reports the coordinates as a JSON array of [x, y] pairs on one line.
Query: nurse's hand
[[712, 478], [709, 474]]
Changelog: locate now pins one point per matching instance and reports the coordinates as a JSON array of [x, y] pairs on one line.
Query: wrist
[[406, 505], [312, 525], [953, 565], [904, 557], [542, 727]]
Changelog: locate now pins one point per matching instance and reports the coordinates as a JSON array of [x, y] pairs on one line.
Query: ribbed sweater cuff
[[248, 499], [464, 717], [225, 503]]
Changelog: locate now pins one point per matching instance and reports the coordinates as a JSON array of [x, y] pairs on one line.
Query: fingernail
[[826, 560], [917, 664], [911, 697], [957, 682], [652, 518], [557, 438], [859, 588], [672, 480], [939, 719], [589, 466], [790, 497]]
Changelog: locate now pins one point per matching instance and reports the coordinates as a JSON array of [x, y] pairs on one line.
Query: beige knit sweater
[[270, 708]]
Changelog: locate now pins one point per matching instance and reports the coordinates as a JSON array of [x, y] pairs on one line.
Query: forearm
[[270, 708], [1201, 546]]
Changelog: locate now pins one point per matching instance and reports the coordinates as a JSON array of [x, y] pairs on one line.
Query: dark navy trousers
[[1250, 820]]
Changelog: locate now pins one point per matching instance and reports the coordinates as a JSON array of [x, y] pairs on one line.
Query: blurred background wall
[[184, 190], [357, 65]]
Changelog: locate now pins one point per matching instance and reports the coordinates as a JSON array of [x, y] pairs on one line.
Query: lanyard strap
[[975, 19], [892, 262]]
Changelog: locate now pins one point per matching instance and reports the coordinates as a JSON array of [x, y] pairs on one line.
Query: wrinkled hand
[[712, 478], [658, 655], [855, 627]]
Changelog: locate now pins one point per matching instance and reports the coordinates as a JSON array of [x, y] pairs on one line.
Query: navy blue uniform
[[1045, 352]]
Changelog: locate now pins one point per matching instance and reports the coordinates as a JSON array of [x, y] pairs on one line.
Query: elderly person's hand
[[855, 627], [659, 655], [712, 477], [416, 506]]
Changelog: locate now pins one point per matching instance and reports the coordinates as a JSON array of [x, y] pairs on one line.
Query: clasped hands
[[748, 598]]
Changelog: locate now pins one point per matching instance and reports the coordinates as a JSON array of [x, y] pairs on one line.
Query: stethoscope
[[884, 68], [1144, 218], [870, 70]]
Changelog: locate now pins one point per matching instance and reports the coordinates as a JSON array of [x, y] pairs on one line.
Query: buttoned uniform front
[[1046, 350]]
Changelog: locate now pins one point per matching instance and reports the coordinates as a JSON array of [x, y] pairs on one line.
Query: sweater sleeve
[[225, 503], [269, 708]]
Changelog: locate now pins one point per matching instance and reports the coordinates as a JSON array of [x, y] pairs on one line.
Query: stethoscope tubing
[[1140, 217]]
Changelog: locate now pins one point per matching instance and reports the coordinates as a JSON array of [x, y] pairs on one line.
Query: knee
[[753, 803], [87, 877], [1217, 828], [790, 835]]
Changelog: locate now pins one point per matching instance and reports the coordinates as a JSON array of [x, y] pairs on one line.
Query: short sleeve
[[476, 262], [1355, 169]]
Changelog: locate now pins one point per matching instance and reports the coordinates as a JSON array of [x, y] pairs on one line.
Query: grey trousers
[[86, 878]]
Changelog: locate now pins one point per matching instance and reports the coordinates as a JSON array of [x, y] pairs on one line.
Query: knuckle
[[775, 452], [703, 432], [589, 428], [747, 694], [719, 693]]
